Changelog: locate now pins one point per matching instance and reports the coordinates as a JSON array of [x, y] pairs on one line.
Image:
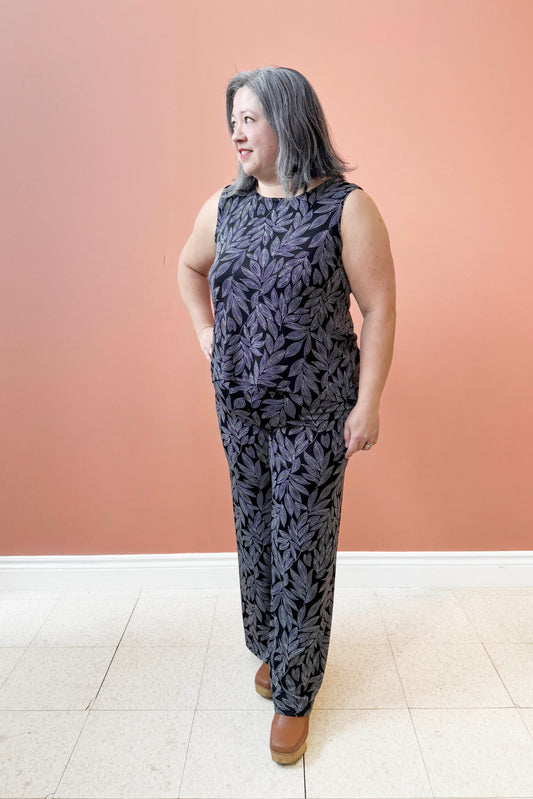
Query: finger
[[352, 449], [351, 444], [358, 445]]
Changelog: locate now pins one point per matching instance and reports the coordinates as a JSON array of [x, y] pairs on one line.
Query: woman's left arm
[[367, 260]]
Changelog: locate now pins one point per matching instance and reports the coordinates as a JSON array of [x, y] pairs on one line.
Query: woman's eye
[[233, 123]]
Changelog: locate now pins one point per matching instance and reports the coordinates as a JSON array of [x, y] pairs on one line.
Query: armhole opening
[[220, 208]]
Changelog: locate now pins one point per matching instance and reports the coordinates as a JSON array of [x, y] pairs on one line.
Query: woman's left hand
[[360, 428]]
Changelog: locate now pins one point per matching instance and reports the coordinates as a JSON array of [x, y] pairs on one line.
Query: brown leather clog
[[262, 681], [288, 738]]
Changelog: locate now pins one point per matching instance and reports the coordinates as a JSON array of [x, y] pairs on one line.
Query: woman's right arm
[[194, 264]]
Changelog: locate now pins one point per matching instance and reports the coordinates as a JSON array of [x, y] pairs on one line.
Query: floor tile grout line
[[484, 645], [88, 709], [217, 596], [15, 665], [54, 606], [95, 697], [69, 758], [413, 726], [28, 645]]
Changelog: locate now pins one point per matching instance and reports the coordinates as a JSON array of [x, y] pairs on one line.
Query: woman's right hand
[[205, 337]]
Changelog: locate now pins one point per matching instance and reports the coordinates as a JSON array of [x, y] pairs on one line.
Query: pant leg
[[308, 467], [287, 476], [246, 446]]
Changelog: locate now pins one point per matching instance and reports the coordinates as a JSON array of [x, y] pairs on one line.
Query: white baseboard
[[220, 570]]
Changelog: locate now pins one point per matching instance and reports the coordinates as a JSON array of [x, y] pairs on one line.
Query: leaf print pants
[[287, 476]]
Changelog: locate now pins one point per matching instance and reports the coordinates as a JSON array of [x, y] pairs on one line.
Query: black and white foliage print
[[281, 296], [285, 369], [287, 485]]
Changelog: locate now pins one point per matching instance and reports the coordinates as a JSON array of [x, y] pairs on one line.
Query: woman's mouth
[[244, 154]]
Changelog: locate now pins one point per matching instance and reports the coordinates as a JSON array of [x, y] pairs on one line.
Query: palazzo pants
[[287, 466]]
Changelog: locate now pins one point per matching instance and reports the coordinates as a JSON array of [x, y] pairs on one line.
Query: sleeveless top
[[281, 297]]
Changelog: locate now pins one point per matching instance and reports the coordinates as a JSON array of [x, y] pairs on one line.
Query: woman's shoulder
[[357, 199], [361, 214], [214, 199], [209, 210]]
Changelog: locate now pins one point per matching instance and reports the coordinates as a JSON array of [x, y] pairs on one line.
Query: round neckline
[[297, 196]]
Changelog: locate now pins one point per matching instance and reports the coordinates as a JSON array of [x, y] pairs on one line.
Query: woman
[[279, 251]]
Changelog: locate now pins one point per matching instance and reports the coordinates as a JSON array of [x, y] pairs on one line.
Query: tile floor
[[111, 694]]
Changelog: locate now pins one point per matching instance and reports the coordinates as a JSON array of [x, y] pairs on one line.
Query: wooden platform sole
[[266, 692], [288, 757]]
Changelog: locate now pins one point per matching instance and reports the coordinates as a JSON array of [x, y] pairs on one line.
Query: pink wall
[[113, 135]]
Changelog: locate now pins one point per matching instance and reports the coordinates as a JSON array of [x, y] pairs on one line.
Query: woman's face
[[255, 141]]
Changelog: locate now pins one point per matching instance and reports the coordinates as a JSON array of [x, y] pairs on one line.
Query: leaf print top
[[281, 296]]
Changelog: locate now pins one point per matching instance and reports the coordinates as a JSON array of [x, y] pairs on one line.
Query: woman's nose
[[237, 133]]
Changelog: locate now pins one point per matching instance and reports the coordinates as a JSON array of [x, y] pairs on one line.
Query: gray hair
[[292, 108]]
